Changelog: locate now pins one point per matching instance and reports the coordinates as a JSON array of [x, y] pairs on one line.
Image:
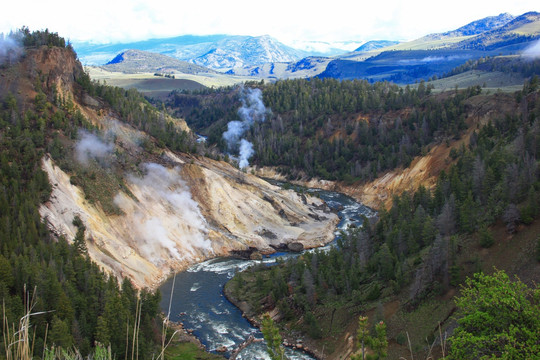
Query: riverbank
[[293, 341], [377, 193], [182, 344], [220, 321]]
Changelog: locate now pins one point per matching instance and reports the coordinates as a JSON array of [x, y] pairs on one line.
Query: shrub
[[499, 318]]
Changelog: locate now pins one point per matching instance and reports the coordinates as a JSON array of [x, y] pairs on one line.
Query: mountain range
[[438, 54], [263, 57], [215, 51]]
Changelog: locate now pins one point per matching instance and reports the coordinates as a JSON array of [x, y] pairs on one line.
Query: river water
[[198, 301]]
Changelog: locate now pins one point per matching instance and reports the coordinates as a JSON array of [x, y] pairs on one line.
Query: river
[[198, 301]]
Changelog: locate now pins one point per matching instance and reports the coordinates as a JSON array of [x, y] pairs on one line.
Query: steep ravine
[[174, 209]]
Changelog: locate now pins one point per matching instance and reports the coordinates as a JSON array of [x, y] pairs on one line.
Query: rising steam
[[91, 147], [246, 151], [10, 49], [533, 51], [175, 225], [251, 111]]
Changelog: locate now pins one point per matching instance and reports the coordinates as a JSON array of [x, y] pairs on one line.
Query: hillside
[[514, 35], [201, 189], [68, 300], [375, 45], [241, 51], [134, 61], [481, 26], [439, 222], [437, 54], [450, 38], [304, 68]]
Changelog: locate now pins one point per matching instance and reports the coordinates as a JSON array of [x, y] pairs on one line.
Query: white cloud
[[125, 20]]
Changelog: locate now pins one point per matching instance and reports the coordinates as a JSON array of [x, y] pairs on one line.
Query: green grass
[[188, 351]]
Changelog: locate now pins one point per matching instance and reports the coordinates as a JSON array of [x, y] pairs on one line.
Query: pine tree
[[273, 338], [79, 240], [60, 333], [362, 337], [378, 343]]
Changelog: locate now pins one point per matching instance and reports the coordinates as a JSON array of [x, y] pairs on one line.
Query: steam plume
[[246, 151], [175, 223], [10, 49], [533, 51], [251, 111], [91, 147]]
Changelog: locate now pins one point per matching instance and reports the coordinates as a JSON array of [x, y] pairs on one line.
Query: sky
[[292, 22]]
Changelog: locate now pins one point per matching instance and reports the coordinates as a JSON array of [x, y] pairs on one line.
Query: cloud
[[431, 59], [91, 147]]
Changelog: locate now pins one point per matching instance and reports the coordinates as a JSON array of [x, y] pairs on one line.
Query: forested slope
[[417, 253], [348, 130], [72, 301], [478, 209]]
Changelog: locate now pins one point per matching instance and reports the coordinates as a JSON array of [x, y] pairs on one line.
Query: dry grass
[[165, 327], [430, 356], [428, 43], [131, 80], [18, 341]]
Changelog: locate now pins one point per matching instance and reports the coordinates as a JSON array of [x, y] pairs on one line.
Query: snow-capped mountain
[[221, 52], [240, 51]]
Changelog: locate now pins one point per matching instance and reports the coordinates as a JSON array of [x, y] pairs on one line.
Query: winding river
[[198, 301]]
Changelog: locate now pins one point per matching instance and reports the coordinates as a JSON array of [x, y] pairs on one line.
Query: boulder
[[295, 246]]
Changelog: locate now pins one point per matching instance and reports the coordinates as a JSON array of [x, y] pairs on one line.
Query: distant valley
[[215, 51]]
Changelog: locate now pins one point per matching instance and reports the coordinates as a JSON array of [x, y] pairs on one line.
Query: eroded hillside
[[183, 213]]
